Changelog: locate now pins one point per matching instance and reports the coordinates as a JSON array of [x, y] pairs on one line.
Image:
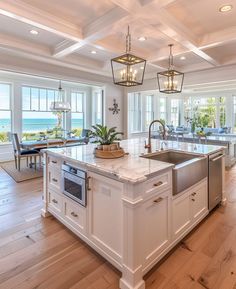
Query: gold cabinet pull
[[74, 214], [54, 201], [54, 162], [158, 184], [156, 201], [55, 180]]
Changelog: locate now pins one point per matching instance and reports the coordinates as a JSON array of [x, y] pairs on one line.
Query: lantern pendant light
[[128, 69], [60, 105], [170, 81]]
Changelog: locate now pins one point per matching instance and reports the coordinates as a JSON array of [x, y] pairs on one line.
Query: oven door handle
[[88, 184]]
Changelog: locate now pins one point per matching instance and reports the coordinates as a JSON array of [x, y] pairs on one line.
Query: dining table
[[45, 143]]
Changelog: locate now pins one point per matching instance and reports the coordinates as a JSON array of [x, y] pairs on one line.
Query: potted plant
[[108, 142], [106, 137]]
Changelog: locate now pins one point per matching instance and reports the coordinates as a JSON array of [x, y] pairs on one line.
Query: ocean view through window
[[38, 121]]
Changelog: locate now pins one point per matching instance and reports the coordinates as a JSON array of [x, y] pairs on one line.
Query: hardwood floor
[[41, 253]]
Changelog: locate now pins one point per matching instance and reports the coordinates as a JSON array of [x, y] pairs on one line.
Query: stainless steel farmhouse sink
[[188, 170]]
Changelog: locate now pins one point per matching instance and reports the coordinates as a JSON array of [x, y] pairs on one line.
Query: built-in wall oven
[[74, 183]]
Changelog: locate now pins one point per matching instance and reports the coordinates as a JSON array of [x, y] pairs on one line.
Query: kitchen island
[[126, 209]]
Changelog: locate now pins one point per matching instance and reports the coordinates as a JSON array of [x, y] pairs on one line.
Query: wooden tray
[[109, 154]]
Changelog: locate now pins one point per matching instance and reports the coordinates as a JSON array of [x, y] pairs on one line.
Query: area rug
[[24, 174]]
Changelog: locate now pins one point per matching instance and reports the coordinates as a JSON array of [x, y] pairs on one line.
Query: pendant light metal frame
[[169, 76], [60, 105], [128, 60]]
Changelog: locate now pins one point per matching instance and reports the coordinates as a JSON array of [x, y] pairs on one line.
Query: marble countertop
[[130, 168]]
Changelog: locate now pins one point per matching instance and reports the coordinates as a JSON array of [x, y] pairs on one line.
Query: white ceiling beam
[[170, 26], [98, 29], [66, 47], [178, 32], [18, 10], [161, 3]]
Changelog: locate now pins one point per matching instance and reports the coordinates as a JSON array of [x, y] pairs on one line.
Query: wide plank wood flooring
[[39, 253]]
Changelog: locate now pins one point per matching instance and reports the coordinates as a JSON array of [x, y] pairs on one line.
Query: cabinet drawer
[[158, 183], [74, 213], [54, 179], [55, 201], [54, 162]]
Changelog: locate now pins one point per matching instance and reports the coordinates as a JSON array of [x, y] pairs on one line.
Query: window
[[175, 112], [77, 112], [162, 110], [5, 111], [149, 113], [206, 111], [222, 111], [38, 119], [97, 107], [134, 112]]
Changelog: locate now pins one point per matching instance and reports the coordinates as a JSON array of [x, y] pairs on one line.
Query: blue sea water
[[36, 125]]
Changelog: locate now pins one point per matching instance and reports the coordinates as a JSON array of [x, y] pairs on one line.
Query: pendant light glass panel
[[128, 69], [60, 105], [171, 80]]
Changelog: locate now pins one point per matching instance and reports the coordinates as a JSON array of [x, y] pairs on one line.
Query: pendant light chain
[[171, 62], [128, 42]]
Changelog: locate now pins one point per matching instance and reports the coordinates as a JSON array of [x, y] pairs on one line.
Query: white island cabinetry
[[131, 217]]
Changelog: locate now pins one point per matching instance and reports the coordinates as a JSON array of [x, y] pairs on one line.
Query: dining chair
[[22, 153]]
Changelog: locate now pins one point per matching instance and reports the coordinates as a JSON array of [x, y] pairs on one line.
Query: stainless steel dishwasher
[[215, 181]]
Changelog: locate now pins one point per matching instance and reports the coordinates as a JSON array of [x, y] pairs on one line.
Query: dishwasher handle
[[217, 158]]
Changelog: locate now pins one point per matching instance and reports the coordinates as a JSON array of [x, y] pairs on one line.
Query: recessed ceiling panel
[[21, 30], [223, 53], [80, 12], [203, 16]]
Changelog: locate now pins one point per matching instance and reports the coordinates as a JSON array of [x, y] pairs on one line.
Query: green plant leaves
[[104, 135]]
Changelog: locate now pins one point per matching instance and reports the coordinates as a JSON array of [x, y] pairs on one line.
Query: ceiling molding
[[25, 13], [96, 30]]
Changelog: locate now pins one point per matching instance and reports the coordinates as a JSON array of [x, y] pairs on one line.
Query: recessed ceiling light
[[34, 32], [182, 58], [142, 67], [94, 52], [142, 38], [226, 8]]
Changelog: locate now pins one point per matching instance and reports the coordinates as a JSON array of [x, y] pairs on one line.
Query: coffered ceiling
[[87, 34]]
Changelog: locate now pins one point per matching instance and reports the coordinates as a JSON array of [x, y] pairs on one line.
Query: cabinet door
[[181, 215], [199, 201], [105, 214], [155, 226]]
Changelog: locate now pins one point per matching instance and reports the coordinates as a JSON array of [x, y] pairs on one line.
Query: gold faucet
[[148, 145]]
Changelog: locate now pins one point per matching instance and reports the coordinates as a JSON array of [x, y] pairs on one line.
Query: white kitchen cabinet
[[181, 215], [188, 208], [54, 179], [199, 200], [155, 226], [55, 201], [75, 214], [105, 214]]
